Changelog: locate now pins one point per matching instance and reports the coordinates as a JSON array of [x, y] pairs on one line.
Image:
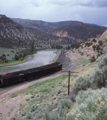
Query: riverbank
[[36, 60], [15, 62]]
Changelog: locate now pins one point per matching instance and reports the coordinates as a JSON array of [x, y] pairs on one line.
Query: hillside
[[13, 34], [79, 32], [44, 38], [42, 25], [104, 35], [74, 30], [49, 26]]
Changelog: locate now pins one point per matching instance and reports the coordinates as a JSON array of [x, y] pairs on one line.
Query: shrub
[[37, 116], [72, 97], [94, 47], [59, 114], [102, 61], [82, 83], [100, 43], [32, 109], [13, 118], [46, 115], [93, 59], [94, 40], [27, 99], [29, 116], [65, 103], [94, 106], [96, 80], [53, 116], [23, 114], [32, 96]]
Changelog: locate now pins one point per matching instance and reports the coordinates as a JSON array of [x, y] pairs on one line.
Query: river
[[36, 60]]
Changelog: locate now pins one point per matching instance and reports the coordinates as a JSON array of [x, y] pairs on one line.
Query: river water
[[39, 59]]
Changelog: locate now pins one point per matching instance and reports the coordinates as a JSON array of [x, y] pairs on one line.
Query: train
[[29, 74]]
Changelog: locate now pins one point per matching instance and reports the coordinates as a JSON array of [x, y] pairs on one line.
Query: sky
[[88, 11]]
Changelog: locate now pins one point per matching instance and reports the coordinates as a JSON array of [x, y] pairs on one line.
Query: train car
[[29, 74]]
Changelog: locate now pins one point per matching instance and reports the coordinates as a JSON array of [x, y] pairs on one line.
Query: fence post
[[68, 82]]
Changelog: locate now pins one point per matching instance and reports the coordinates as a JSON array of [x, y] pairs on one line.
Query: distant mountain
[[13, 34], [79, 32], [43, 26], [21, 32], [104, 35], [49, 26], [75, 30]]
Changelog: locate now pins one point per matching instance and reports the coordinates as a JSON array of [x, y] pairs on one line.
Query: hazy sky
[[89, 11]]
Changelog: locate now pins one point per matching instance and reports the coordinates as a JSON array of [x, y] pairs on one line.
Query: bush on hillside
[[94, 40], [96, 80], [102, 61], [91, 105], [93, 59], [60, 114], [83, 83]]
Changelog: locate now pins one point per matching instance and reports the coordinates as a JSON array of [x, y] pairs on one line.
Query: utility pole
[[68, 82]]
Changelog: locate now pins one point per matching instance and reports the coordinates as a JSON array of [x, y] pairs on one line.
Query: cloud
[[92, 3], [89, 11]]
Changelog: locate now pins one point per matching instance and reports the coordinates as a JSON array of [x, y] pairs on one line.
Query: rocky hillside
[[93, 48], [104, 35], [47, 38], [13, 34], [74, 30], [79, 32], [24, 31]]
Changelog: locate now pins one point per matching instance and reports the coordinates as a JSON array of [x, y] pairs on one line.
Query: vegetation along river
[[36, 60]]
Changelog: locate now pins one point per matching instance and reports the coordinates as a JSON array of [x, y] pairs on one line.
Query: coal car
[[29, 74]]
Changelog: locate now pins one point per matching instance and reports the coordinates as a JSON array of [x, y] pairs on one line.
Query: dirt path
[[6, 94]]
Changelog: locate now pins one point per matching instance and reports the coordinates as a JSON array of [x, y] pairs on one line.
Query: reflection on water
[[39, 59]]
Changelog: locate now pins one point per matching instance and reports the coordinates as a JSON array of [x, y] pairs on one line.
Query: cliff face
[[64, 34], [13, 34], [61, 33]]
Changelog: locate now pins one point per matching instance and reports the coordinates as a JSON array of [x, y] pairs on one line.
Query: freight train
[[29, 74]]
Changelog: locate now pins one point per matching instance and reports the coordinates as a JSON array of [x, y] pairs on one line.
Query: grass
[[40, 96], [40, 87], [14, 62], [67, 67], [82, 61]]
